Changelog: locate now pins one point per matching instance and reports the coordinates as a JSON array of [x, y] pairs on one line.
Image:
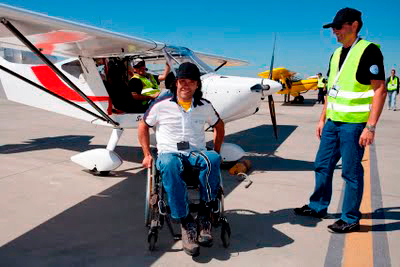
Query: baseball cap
[[138, 62], [188, 70], [344, 15]]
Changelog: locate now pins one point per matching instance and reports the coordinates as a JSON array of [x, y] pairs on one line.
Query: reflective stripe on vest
[[320, 83], [353, 101], [392, 85]]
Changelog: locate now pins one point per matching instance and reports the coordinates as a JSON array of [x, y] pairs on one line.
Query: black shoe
[[307, 211], [341, 226]]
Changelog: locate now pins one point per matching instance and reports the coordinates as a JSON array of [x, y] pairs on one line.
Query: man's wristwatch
[[370, 128]]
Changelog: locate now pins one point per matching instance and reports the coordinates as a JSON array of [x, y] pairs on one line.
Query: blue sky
[[241, 30]]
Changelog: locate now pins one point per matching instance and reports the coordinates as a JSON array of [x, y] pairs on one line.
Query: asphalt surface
[[53, 213]]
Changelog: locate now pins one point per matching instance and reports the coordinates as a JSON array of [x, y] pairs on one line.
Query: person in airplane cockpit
[[143, 85], [179, 119]]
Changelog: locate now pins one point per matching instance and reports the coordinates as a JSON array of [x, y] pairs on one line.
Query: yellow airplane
[[291, 85]]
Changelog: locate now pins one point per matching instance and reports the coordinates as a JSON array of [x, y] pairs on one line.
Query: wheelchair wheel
[[225, 232], [150, 190], [152, 238]]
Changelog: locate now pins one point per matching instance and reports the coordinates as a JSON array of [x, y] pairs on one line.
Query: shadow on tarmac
[[108, 228], [307, 103], [252, 230], [390, 213]]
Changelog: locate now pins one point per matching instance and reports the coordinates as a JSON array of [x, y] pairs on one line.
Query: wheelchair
[[157, 212]]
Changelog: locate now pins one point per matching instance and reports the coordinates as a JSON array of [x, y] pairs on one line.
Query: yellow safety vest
[[150, 85], [320, 82], [392, 85], [353, 101]]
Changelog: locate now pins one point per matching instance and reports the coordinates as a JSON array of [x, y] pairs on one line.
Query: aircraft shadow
[[306, 103], [108, 229], [260, 145], [253, 230]]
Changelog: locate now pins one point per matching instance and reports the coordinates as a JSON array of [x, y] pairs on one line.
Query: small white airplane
[[50, 63]]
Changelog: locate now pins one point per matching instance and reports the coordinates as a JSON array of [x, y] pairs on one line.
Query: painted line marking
[[358, 246]]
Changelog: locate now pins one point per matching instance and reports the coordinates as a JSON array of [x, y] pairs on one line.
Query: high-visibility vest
[[392, 85], [353, 101], [150, 85], [321, 84]]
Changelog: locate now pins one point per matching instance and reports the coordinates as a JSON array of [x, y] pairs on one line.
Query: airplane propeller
[[271, 103]]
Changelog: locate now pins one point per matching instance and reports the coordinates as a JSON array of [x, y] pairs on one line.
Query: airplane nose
[[266, 87]]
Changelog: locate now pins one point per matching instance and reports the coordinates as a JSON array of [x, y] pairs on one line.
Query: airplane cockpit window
[[178, 55], [25, 57], [74, 68]]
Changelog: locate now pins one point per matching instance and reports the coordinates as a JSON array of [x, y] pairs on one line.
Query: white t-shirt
[[174, 124]]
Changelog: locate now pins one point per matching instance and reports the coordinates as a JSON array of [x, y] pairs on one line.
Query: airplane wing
[[56, 36], [214, 60], [278, 73]]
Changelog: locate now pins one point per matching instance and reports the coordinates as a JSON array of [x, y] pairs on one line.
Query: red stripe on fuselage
[[49, 79]]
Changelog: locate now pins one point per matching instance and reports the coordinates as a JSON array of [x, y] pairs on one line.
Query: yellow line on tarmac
[[358, 248]]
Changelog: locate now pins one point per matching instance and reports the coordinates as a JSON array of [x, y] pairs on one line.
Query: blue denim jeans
[[171, 167], [392, 99], [339, 140]]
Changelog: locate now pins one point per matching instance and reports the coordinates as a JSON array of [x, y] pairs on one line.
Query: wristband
[[370, 128]]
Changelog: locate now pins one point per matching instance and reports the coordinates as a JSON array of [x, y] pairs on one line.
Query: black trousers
[[321, 95]]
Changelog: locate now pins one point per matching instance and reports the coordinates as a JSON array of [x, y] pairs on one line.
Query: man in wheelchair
[[179, 121]]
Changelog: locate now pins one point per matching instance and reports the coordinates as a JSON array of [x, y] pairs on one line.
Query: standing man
[[392, 86], [180, 121], [321, 85], [356, 96]]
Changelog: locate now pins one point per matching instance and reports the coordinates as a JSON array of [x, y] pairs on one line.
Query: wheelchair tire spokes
[[225, 232]]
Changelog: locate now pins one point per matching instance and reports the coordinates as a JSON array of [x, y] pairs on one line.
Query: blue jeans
[[339, 140], [392, 99], [171, 167]]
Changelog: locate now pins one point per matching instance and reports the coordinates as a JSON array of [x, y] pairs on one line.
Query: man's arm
[[144, 140], [322, 119], [367, 137], [219, 133], [167, 70]]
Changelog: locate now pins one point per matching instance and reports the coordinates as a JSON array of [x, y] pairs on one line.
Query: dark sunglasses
[[339, 27]]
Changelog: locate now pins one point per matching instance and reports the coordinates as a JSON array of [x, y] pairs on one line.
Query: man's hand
[[147, 161], [155, 95], [318, 131], [366, 138]]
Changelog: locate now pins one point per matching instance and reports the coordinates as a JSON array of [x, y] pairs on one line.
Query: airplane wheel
[[301, 99], [104, 173]]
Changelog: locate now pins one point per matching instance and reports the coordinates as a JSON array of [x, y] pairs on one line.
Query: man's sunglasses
[[339, 27]]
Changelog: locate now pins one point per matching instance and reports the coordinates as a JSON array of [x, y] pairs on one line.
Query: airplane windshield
[[177, 55]]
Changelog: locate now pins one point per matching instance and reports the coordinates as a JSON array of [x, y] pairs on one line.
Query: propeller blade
[[271, 105], [271, 67], [271, 102]]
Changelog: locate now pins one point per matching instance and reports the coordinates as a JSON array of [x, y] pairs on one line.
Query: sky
[[238, 29]]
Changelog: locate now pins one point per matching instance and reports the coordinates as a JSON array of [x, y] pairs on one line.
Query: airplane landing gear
[[298, 99]]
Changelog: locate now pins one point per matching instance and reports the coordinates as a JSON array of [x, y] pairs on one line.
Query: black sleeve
[[156, 78], [135, 86], [329, 68], [371, 65]]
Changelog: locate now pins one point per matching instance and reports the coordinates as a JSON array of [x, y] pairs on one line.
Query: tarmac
[[53, 213]]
